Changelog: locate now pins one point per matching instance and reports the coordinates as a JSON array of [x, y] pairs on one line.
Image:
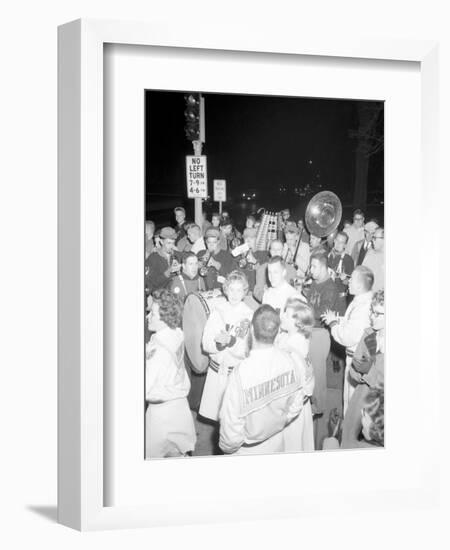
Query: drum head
[[195, 314]]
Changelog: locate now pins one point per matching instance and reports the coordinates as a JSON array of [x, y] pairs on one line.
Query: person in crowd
[[149, 243], [250, 229], [374, 259], [226, 230], [356, 231], [372, 423], [225, 215], [196, 239], [169, 427], [250, 261], [184, 244], [289, 253], [225, 339], [322, 294], [280, 290], [262, 278], [366, 370], [157, 239], [229, 236], [372, 417], [345, 225], [329, 241], [206, 224], [164, 262], [317, 245], [286, 218], [341, 265], [217, 262], [215, 220], [348, 330], [180, 218], [264, 393], [297, 323], [188, 280], [290, 225], [302, 259], [361, 247]]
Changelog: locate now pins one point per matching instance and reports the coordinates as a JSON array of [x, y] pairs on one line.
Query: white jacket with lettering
[[263, 394]]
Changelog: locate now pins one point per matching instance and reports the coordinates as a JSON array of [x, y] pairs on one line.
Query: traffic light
[[192, 117]]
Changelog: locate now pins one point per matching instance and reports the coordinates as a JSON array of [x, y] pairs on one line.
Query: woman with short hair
[[225, 339], [297, 322], [169, 427]]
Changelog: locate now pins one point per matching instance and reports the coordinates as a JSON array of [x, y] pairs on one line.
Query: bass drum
[[197, 308]]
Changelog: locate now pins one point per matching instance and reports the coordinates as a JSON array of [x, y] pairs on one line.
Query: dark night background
[[283, 149]]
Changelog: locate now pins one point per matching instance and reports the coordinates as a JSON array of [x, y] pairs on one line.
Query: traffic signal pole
[[195, 132]]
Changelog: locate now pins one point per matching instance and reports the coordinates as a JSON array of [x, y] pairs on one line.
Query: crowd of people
[[277, 318]]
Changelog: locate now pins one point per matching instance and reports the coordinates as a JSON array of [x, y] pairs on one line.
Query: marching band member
[[163, 262], [196, 239], [263, 395], [188, 280], [184, 244], [322, 294], [216, 263], [250, 261], [225, 339], [289, 254], [348, 330], [169, 426], [341, 265], [280, 290], [262, 278], [180, 218], [297, 322]]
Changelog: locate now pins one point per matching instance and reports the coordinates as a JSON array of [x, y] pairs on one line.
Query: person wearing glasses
[[356, 231], [366, 371], [361, 248], [374, 259]]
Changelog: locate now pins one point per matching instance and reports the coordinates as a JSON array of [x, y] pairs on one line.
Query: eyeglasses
[[358, 219]]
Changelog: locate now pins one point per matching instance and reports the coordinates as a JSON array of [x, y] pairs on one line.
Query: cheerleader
[[225, 338], [297, 322]]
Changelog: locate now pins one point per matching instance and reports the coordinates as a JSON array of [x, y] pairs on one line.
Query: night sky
[[256, 142]]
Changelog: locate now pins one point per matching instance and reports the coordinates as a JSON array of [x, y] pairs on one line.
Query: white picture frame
[[82, 488]]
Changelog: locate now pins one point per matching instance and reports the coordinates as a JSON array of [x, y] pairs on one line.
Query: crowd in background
[[280, 316]]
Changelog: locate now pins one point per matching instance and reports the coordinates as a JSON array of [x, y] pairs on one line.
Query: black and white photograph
[[264, 274]]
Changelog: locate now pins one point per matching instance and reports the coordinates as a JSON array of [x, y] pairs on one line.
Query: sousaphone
[[323, 214]]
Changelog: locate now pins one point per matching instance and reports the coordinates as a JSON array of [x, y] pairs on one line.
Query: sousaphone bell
[[323, 214]]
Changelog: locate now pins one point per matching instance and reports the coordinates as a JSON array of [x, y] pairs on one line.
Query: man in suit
[[355, 231], [361, 247]]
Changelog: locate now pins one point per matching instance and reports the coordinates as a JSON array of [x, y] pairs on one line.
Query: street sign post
[[220, 192], [196, 177]]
